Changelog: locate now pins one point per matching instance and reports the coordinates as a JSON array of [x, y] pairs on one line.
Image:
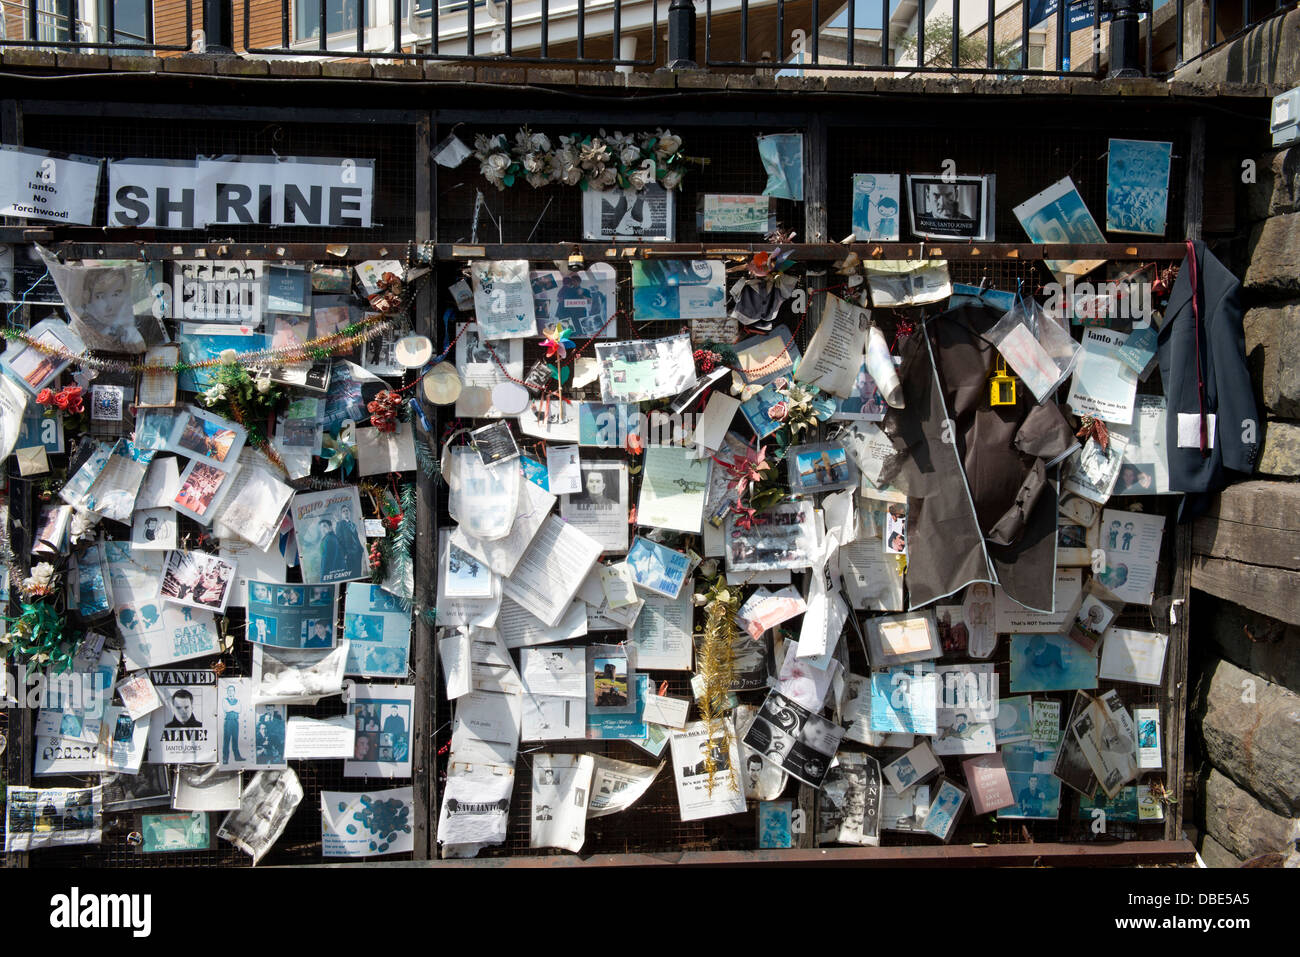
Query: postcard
[[252, 736], [1145, 467], [678, 289], [696, 752], [377, 630], [673, 486], [1050, 663], [1014, 722], [552, 569], [207, 788], [1036, 791], [1136, 656], [379, 453], [952, 207], [990, 788], [661, 709], [820, 467], [139, 697], [1013, 618], [897, 639], [758, 409], [646, 369], [608, 673], [153, 529], [1137, 186], [202, 490], [54, 817], [606, 426], [855, 710], [1150, 753], [205, 437], [1091, 621], [1131, 541], [628, 726], [197, 579], [503, 299], [731, 213], [584, 300], [904, 700], [1102, 385], [630, 215], [1069, 765], [960, 733], [800, 742], [805, 681], [1106, 735], [331, 545], [465, 576], [767, 356], [34, 369], [875, 207], [162, 833], [1059, 215], [774, 824], [185, 732], [149, 788], [916, 766], [367, 824], [297, 675], [657, 568], [255, 507], [905, 812], [158, 633]]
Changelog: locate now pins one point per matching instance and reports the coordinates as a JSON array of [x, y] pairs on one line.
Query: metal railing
[[789, 37], [39, 23]]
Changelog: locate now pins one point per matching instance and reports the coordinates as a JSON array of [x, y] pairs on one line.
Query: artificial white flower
[[83, 525], [671, 180], [228, 355], [215, 393], [668, 143], [604, 178], [639, 179], [264, 385], [629, 155]]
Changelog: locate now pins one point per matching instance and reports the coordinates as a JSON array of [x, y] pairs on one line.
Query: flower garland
[[237, 396], [591, 161], [717, 665], [36, 639]]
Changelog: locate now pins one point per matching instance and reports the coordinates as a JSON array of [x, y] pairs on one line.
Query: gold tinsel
[[717, 667]]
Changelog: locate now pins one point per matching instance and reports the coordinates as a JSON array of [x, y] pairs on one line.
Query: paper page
[[561, 785], [379, 453], [616, 785], [1131, 541], [503, 554], [693, 749], [475, 808], [662, 633], [1012, 617], [673, 486], [550, 571], [670, 712], [834, 353], [1137, 656], [368, 824], [383, 717], [1102, 385], [453, 654], [554, 671], [601, 508], [319, 738]]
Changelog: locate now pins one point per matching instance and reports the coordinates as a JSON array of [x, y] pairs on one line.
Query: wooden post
[[1175, 683]]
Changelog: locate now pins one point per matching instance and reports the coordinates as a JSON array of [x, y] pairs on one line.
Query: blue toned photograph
[[603, 425], [535, 472], [756, 410], [1036, 791], [378, 632], [1014, 720], [202, 346], [1123, 807], [903, 701], [782, 157], [1137, 186], [774, 824], [1051, 663], [679, 289], [269, 735], [944, 810], [153, 428], [656, 568], [875, 206], [821, 468], [628, 726]]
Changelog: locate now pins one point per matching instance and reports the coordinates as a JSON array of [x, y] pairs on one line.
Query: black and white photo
[[629, 214], [952, 207], [197, 579]]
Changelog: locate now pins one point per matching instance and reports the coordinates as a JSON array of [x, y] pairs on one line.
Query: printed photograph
[[200, 487], [600, 489], [207, 437], [154, 529], [198, 579], [610, 678]]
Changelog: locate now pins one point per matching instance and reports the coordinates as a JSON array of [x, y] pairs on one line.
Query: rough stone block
[[1273, 351], [1276, 189], [1243, 826], [1281, 453], [1275, 256], [1215, 854], [1251, 730], [1261, 645]]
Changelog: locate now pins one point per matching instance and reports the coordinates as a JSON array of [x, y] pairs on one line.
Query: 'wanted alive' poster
[[185, 731]]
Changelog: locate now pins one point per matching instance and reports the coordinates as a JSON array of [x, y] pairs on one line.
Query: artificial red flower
[[45, 396], [69, 399], [61, 401], [778, 412]]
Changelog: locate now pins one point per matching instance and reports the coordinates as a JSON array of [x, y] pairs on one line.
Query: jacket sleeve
[[1237, 426]]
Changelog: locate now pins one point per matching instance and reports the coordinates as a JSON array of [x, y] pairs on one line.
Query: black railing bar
[[1096, 35], [744, 30], [546, 25], [189, 25], [70, 14], [780, 31], [853, 30], [148, 20], [397, 24], [654, 32], [361, 23], [618, 28], [989, 29], [324, 28], [1150, 65], [284, 24], [884, 32], [96, 45], [582, 28], [112, 20], [435, 15], [708, 32], [817, 29], [878, 68], [1182, 25], [427, 55], [469, 27], [956, 33], [510, 24], [1062, 16], [1024, 35], [1279, 12]]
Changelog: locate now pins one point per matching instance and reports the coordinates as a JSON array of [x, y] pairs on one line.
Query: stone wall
[[1244, 737]]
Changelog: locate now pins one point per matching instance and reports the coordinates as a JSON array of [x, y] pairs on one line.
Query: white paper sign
[[35, 184]]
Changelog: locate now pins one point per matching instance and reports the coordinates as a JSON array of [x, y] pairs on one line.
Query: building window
[[130, 24], [341, 16]]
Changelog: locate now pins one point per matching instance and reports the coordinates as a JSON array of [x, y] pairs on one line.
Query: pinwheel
[[557, 342]]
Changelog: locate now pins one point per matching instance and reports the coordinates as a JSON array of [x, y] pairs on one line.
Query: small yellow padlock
[[1002, 387]]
